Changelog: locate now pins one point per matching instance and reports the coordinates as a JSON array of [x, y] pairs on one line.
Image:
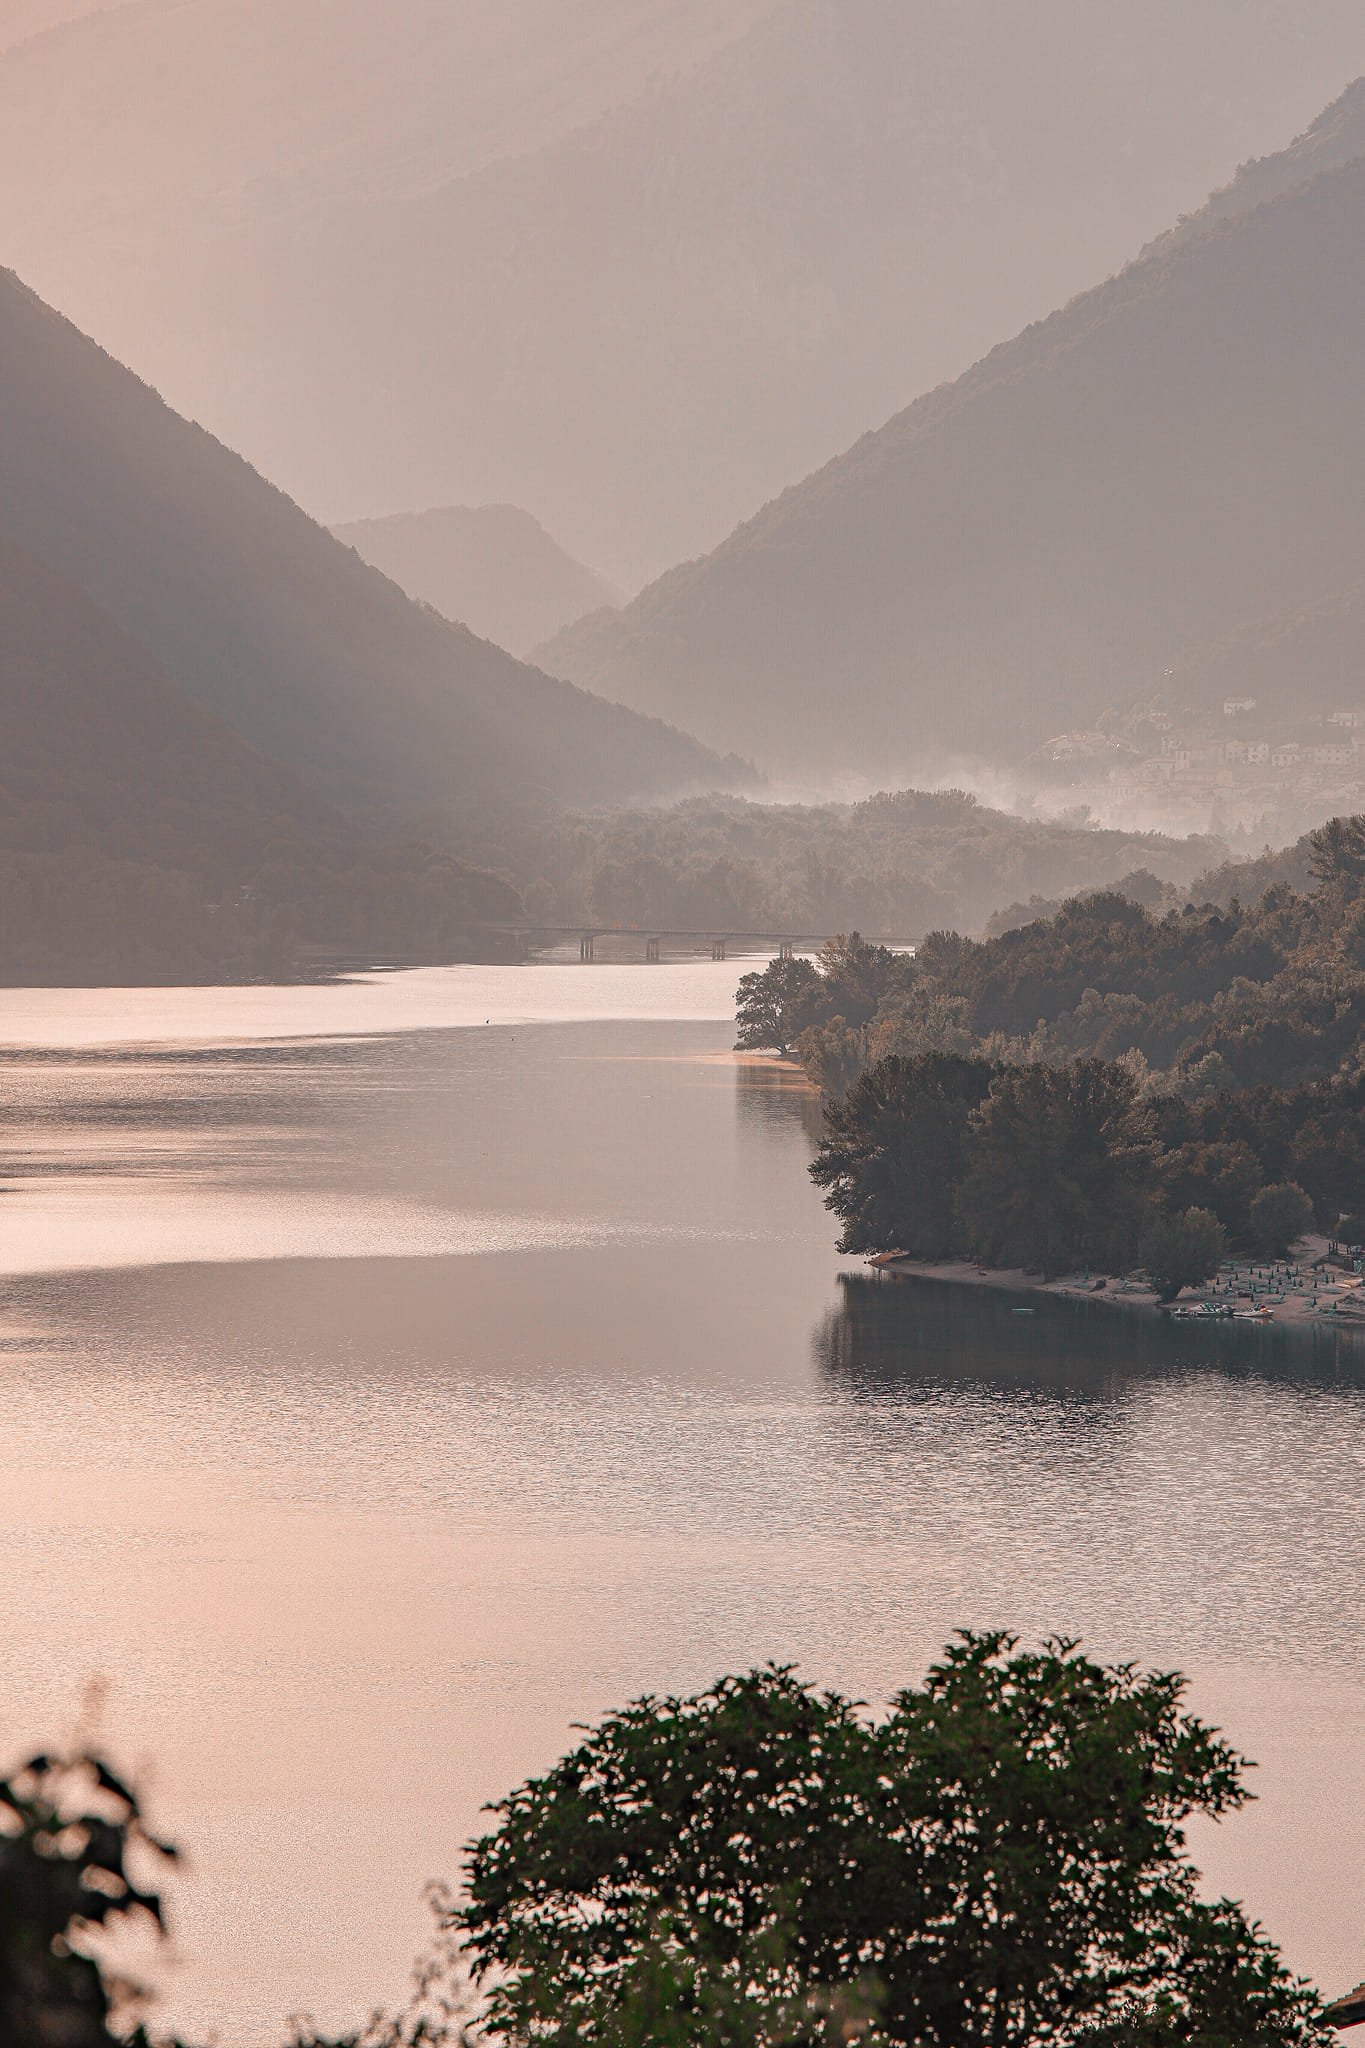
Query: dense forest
[[1220, 992], [900, 863], [1096, 1086]]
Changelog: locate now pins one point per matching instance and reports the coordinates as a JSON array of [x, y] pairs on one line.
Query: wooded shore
[[1311, 1287]]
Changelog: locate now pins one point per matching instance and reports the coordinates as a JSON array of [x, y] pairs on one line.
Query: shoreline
[[1298, 1291]]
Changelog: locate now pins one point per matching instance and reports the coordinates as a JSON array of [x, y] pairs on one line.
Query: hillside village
[[1243, 767]]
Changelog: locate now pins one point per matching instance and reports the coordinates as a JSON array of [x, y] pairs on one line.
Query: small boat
[[1023, 1311]]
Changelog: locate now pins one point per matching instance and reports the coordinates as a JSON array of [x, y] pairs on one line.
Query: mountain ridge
[[258, 613], [1005, 546], [644, 307], [142, 840]]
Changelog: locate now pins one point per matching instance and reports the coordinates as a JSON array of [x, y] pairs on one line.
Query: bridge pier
[[587, 949], [717, 949], [786, 950], [651, 949]]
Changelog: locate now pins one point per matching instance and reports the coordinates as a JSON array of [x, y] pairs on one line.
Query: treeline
[[80, 916], [1105, 1087], [897, 864], [1052, 1168], [1240, 880], [1248, 995]]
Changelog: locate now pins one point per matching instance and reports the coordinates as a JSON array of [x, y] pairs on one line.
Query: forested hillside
[[1309, 659], [1247, 983], [141, 840], [1101, 1088], [899, 863], [1177, 454], [274, 626]]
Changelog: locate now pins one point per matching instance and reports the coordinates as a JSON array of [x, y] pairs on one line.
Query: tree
[[859, 975], [833, 1056], [1336, 854], [1280, 1215], [1183, 1251], [1062, 1168], [67, 1829], [1225, 1178], [775, 1005], [998, 1863], [895, 1152]]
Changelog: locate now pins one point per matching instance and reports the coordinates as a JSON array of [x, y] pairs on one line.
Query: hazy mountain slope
[[1177, 452], [141, 840], [259, 614], [492, 567], [1335, 139], [267, 109], [99, 748], [520, 271], [1309, 662], [20, 19]]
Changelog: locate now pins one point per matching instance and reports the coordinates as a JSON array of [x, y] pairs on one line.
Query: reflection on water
[[374, 1409], [1167, 1490], [889, 1335]]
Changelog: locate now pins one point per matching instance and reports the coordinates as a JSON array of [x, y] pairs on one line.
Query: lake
[[398, 1373]]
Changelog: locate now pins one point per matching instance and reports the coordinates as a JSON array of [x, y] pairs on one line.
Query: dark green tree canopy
[[1183, 1251], [1257, 983], [896, 1150], [999, 1862], [1280, 1216], [1063, 1168]]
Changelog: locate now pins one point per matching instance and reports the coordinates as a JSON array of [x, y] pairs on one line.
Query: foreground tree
[[858, 976], [70, 1834], [1183, 1251], [999, 1863]]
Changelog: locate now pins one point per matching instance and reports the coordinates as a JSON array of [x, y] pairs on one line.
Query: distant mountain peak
[[263, 618], [493, 567]]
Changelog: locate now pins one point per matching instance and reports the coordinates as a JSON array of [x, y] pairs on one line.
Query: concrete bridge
[[653, 939]]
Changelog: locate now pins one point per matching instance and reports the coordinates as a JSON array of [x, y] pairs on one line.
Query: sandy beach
[[1300, 1289]]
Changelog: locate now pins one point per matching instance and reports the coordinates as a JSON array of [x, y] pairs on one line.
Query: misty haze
[[682, 1006]]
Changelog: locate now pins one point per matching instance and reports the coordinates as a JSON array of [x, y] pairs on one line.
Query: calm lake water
[[393, 1375]]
